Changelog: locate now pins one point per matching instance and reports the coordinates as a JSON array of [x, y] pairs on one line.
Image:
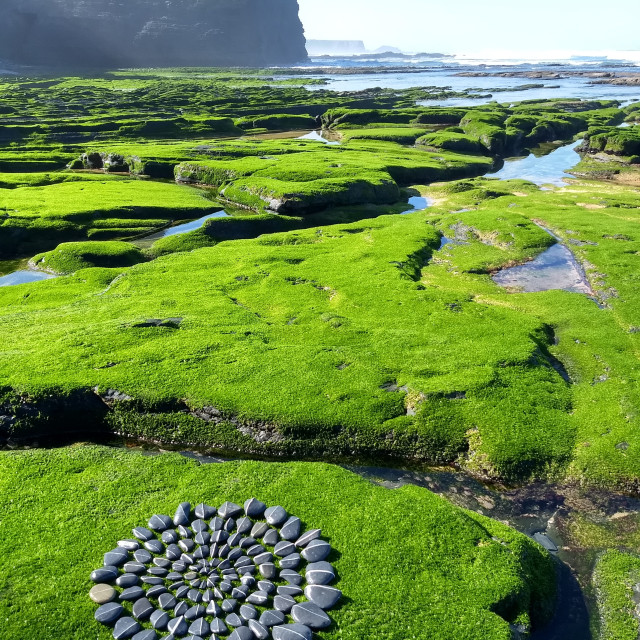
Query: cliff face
[[109, 33]]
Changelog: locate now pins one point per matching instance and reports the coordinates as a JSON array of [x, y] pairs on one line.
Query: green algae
[[440, 571], [616, 577], [70, 257]]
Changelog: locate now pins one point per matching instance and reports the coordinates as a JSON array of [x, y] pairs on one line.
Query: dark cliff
[[116, 33]]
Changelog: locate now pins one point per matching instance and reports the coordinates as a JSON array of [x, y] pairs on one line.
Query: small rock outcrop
[[119, 33]]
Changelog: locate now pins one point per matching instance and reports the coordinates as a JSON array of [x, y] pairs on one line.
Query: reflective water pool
[[24, 276], [550, 168]]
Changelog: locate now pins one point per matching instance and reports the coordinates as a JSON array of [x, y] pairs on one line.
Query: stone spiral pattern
[[232, 573]]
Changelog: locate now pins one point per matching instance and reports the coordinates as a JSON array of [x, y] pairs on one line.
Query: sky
[[470, 26]]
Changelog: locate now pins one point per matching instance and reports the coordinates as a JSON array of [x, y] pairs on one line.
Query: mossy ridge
[[440, 572], [615, 576], [350, 386], [70, 257], [36, 218]]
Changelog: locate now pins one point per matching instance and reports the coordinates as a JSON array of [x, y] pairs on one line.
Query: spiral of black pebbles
[[232, 573]]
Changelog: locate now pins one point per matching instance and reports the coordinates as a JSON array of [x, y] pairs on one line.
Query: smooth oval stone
[[218, 627], [170, 536], [167, 601], [159, 619], [320, 573], [155, 546], [142, 534], [235, 539], [216, 524], [182, 591], [178, 626], [158, 572], [142, 555], [256, 550], [229, 605], [229, 510], [276, 516], [244, 525], [234, 554], [102, 593], [310, 615], [259, 598], [142, 609], [201, 552], [242, 633], [283, 603], [268, 570], [248, 612], [203, 537], [244, 561], [160, 523], [183, 514], [284, 548], [194, 595], [195, 612], [199, 525], [116, 557], [259, 631], [125, 628], [307, 537], [128, 580], [146, 634], [183, 532], [272, 537], [292, 632], [259, 529], [132, 593], [254, 508], [157, 591], [181, 610], [291, 576], [129, 545], [234, 620], [108, 613], [135, 567], [316, 551], [173, 552], [204, 511], [271, 617], [291, 561], [289, 591], [291, 529], [325, 597], [152, 580], [220, 536], [174, 576], [246, 570], [199, 627], [246, 543], [230, 525], [163, 563], [267, 586]]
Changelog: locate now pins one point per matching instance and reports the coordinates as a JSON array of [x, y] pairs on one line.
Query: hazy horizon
[[468, 27]]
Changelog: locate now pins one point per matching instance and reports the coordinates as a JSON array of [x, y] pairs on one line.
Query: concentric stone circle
[[231, 573]]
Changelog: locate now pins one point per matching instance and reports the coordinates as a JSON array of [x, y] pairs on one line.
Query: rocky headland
[[92, 33]]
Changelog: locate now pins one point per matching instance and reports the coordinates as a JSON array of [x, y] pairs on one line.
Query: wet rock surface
[[209, 582]]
